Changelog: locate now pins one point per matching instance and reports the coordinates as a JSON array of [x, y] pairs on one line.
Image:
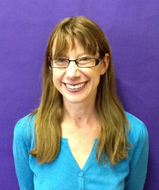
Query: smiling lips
[[75, 87]]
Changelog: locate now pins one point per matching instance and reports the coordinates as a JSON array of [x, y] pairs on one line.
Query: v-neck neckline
[[86, 164]]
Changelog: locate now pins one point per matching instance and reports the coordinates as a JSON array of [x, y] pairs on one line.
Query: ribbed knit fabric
[[64, 172]]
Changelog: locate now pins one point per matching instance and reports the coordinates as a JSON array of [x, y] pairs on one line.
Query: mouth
[[75, 87]]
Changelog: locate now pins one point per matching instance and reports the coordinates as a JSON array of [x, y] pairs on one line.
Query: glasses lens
[[60, 62], [86, 62]]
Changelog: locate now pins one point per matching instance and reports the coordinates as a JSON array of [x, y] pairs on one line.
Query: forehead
[[67, 47], [62, 44]]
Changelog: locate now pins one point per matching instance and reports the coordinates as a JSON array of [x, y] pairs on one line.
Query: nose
[[72, 70]]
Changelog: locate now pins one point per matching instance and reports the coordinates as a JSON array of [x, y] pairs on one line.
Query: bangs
[[65, 40]]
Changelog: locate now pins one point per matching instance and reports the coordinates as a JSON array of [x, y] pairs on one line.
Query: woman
[[80, 137]]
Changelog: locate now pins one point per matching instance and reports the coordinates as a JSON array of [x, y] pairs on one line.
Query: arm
[[21, 148], [138, 158]]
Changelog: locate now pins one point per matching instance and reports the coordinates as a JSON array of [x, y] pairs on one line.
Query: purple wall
[[132, 28]]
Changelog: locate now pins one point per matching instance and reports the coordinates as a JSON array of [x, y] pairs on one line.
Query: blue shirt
[[65, 174]]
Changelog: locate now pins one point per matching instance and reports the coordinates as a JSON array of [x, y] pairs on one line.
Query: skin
[[73, 75], [80, 123]]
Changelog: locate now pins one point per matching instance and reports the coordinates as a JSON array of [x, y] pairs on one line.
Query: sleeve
[[21, 150], [138, 160]]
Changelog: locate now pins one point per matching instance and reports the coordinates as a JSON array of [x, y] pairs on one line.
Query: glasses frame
[[97, 61]]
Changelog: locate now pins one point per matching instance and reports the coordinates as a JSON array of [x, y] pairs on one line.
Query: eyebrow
[[81, 54], [78, 55]]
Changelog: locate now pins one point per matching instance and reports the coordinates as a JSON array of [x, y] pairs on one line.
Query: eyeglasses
[[84, 62]]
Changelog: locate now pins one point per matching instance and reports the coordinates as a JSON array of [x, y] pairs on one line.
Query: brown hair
[[114, 124]]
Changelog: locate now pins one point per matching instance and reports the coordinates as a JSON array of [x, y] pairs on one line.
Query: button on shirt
[[65, 174]]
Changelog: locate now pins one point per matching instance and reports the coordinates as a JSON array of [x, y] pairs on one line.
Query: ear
[[104, 64], [50, 68]]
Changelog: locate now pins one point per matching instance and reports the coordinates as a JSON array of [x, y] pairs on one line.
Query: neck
[[80, 115], [80, 120]]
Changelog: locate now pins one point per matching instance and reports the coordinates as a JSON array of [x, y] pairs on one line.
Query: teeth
[[75, 86]]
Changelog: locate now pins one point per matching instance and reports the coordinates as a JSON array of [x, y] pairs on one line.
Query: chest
[[80, 149], [92, 176], [80, 141]]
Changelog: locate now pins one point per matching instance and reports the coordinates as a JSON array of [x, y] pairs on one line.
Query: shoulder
[[139, 147], [138, 130], [24, 128]]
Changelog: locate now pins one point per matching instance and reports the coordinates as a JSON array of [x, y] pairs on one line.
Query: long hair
[[114, 125]]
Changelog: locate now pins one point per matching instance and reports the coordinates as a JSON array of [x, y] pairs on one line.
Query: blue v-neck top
[[65, 174]]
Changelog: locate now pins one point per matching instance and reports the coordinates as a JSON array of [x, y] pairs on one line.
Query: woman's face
[[78, 85]]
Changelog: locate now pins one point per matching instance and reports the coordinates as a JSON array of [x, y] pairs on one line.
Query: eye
[[84, 59], [61, 60]]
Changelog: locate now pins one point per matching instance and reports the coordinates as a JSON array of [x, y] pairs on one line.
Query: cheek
[[54, 78], [97, 81], [97, 77], [57, 78]]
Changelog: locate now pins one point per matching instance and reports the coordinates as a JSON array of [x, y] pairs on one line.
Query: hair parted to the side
[[114, 124]]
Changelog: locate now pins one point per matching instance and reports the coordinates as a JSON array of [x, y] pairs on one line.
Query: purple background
[[132, 28]]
